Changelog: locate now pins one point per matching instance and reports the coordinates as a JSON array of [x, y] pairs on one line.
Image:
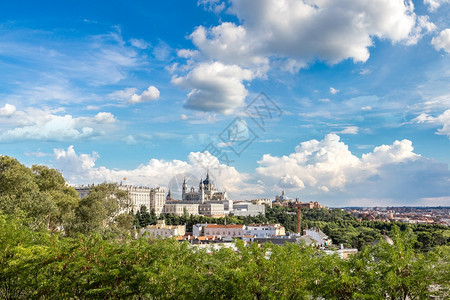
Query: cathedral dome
[[207, 181]]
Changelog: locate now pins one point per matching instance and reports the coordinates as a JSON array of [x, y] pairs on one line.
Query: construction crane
[[299, 215], [299, 218]]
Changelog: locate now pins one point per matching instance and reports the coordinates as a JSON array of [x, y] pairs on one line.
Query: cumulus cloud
[[38, 124], [230, 44], [334, 91], [323, 170], [290, 34], [216, 6], [328, 30], [215, 87], [124, 94], [442, 41], [328, 166], [443, 119], [152, 93], [289, 182], [433, 5], [349, 130], [398, 152], [7, 110], [315, 163], [105, 117], [139, 43], [130, 140], [81, 169], [328, 170]]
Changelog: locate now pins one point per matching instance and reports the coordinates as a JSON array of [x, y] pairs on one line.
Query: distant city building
[[164, 231], [264, 230], [284, 200], [248, 209], [179, 208], [83, 190], [246, 232], [207, 200], [319, 238], [267, 202], [206, 192], [151, 198], [236, 231]]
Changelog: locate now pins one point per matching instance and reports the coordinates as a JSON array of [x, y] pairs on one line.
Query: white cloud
[[328, 170], [327, 29], [398, 152], [442, 41], [365, 71], [81, 169], [334, 91], [293, 65], [124, 94], [433, 5], [162, 51], [105, 117], [64, 70], [329, 163], [216, 6], [215, 87], [349, 130], [324, 163], [152, 93], [139, 43], [38, 124], [290, 34], [130, 140], [366, 108], [443, 119], [230, 44], [318, 170], [7, 110], [289, 182]]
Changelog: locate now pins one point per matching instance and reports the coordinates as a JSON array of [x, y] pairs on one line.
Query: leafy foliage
[[94, 258], [38, 192], [36, 264]]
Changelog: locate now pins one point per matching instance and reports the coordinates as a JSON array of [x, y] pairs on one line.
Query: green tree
[[397, 271], [40, 193], [100, 210], [52, 184]]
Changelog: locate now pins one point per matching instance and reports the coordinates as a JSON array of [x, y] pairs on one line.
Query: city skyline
[[344, 103]]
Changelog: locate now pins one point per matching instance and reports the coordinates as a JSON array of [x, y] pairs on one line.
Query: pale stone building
[[264, 230], [206, 192], [207, 201], [164, 231], [236, 231], [152, 198], [266, 201], [244, 209], [179, 208], [320, 238]]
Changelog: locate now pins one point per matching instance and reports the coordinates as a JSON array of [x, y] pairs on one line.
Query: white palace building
[[207, 200]]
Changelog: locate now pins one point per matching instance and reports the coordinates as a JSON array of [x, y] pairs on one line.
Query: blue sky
[[353, 97]]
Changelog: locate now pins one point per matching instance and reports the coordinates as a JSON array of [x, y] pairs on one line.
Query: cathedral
[[206, 192]]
